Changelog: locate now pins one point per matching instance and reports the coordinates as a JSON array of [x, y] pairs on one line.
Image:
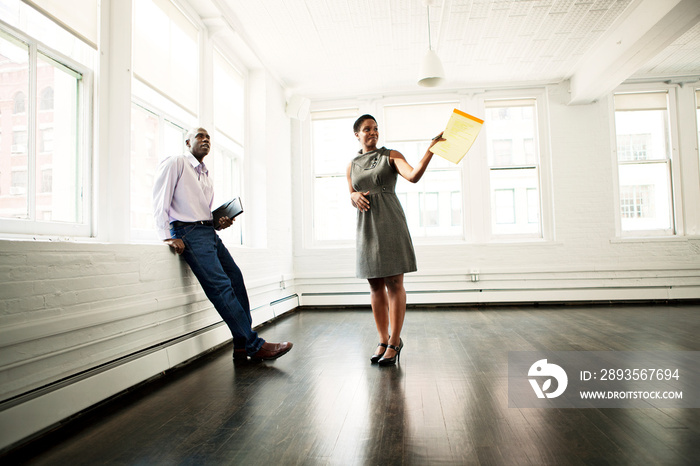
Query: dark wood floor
[[446, 403]]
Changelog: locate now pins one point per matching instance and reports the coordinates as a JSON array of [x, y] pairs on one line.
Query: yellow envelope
[[460, 133]]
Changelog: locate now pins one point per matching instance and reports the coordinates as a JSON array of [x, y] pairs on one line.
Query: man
[[182, 200]]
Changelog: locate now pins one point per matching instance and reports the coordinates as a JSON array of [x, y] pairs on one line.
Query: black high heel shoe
[[376, 357], [395, 358]]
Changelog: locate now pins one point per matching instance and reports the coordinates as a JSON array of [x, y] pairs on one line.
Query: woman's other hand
[[359, 200]]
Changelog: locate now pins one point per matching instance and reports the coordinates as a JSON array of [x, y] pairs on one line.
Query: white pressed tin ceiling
[[364, 47]]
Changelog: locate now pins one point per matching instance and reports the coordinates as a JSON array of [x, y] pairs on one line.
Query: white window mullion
[[32, 133], [674, 170]]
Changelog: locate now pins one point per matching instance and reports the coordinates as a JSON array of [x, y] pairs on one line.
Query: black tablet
[[230, 209]]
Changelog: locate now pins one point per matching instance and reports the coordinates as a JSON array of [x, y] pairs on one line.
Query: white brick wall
[[67, 307]]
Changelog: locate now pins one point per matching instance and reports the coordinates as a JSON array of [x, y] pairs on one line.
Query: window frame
[[234, 152], [672, 162], [22, 228], [480, 171], [239, 68]]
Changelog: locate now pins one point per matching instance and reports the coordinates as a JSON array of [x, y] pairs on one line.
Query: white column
[[113, 119]]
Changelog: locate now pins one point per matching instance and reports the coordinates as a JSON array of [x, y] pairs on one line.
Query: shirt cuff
[[164, 234]]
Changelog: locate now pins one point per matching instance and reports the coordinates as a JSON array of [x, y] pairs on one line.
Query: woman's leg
[[397, 310], [380, 309]]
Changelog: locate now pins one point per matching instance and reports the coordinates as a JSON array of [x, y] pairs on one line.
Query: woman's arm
[[358, 199], [406, 170]]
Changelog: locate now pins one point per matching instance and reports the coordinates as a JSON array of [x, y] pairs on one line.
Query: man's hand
[[177, 244], [225, 222]]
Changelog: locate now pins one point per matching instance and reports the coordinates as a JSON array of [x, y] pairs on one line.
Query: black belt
[[179, 224]]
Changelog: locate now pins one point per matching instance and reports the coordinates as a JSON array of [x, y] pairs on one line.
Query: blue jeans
[[221, 280]]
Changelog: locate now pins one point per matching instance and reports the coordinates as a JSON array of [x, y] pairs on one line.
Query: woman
[[384, 247]]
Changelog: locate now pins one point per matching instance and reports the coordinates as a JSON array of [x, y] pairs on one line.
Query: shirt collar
[[196, 164]]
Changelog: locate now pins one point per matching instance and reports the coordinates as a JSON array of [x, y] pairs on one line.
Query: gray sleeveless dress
[[384, 246]]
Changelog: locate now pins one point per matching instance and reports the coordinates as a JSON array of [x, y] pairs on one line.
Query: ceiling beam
[[644, 30]]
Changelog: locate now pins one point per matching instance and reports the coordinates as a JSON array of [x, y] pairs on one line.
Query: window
[[503, 151], [19, 181], [19, 142], [43, 136], [167, 54], [46, 101], [70, 27], [79, 16], [229, 104], [633, 146], [46, 180], [637, 201], [430, 207], [225, 165], [20, 104], [504, 200], [514, 169], [642, 129], [333, 146], [456, 208], [226, 160], [46, 140], [165, 99], [153, 138], [533, 206]]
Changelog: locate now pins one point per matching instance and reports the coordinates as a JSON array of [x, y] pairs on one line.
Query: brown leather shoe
[[272, 350], [239, 354]]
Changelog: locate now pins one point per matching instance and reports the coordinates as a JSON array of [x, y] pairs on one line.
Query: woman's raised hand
[[437, 139]]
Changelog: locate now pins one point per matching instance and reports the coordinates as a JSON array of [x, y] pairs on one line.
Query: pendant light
[[431, 71]]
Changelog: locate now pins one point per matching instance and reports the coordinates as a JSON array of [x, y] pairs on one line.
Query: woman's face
[[368, 134]]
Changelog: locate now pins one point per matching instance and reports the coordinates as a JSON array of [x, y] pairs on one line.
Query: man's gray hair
[[192, 132]]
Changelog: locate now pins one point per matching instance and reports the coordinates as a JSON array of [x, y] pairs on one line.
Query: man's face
[[199, 144]]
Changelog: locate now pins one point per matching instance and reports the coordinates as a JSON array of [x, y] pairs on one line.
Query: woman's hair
[[358, 122]]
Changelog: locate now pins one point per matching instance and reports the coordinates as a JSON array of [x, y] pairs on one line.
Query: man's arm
[[163, 190]]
